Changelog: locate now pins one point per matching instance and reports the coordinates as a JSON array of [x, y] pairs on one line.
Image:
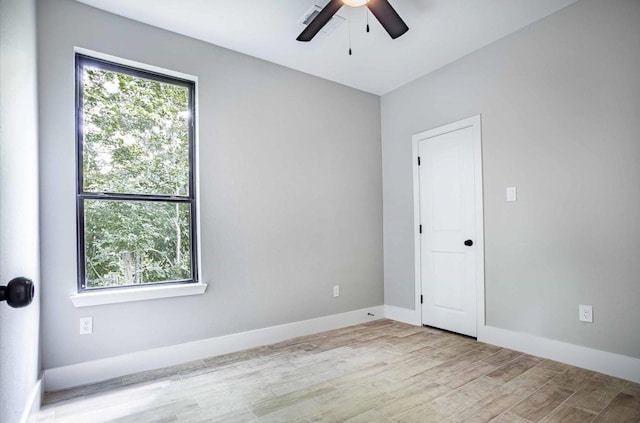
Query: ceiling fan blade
[[388, 17], [321, 20]]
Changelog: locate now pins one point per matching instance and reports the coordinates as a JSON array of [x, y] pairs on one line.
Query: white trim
[[107, 368], [125, 295], [403, 315], [588, 358], [475, 123], [416, 232], [196, 166], [32, 406], [134, 64]]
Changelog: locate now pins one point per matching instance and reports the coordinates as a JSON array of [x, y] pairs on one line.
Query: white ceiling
[[441, 31]]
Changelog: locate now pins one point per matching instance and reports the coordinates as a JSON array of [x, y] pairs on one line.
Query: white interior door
[[448, 233]]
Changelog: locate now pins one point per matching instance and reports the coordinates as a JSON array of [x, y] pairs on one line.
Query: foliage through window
[[135, 166]]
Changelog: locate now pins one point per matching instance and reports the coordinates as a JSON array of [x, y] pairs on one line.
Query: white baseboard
[[32, 407], [403, 315], [99, 370], [605, 362]]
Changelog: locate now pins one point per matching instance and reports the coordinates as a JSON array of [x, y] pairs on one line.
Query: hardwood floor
[[383, 371]]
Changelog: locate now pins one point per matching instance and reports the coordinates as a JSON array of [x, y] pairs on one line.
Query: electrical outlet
[[336, 290], [585, 313], [86, 325]]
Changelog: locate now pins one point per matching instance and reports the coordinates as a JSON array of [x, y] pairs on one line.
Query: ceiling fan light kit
[[381, 9], [355, 3]]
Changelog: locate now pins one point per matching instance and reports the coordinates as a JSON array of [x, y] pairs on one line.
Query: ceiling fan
[[381, 9]]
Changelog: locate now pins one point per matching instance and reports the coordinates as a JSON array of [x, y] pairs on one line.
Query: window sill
[[115, 296]]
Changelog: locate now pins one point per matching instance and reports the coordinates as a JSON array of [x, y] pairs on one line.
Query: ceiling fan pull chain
[[349, 25], [367, 12]]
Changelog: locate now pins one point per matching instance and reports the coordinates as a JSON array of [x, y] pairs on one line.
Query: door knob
[[468, 243], [18, 293]]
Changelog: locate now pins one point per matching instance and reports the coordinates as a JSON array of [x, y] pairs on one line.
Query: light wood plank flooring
[[382, 371]]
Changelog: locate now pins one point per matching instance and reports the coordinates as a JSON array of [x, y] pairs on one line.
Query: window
[[136, 202]]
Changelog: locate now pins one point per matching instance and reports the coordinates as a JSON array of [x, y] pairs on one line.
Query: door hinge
[[420, 229], [420, 299], [418, 160]]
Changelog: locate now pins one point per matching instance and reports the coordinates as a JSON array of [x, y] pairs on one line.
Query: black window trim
[[82, 195]]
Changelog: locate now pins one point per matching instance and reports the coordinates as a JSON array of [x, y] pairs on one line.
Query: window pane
[[136, 242], [135, 134]]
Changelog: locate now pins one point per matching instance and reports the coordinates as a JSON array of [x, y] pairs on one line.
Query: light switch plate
[[512, 194]]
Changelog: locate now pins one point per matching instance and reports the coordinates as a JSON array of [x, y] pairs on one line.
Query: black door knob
[[468, 243], [18, 292]]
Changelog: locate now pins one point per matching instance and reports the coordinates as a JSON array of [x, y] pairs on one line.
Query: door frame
[[473, 122]]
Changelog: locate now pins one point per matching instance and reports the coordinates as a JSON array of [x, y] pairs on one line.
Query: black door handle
[[19, 292], [468, 243]]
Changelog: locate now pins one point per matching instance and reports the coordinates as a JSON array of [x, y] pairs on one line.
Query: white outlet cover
[[512, 194], [585, 313], [86, 325]]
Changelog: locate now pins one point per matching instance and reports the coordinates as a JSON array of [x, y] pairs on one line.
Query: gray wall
[[19, 248], [291, 192], [560, 105]]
